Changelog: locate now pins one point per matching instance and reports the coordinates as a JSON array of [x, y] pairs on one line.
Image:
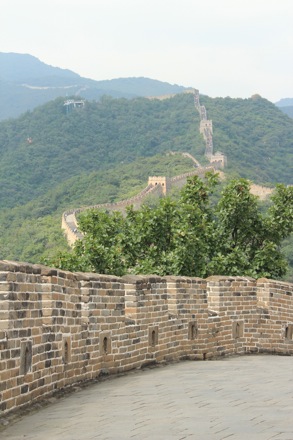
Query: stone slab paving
[[239, 398]]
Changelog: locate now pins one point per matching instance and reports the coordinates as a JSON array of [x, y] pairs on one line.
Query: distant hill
[[286, 105], [24, 68], [285, 102], [26, 82]]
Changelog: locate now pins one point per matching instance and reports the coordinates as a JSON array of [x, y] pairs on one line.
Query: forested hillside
[[53, 160], [256, 136], [41, 149], [96, 137]]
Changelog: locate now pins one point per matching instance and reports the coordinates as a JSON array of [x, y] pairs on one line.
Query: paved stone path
[[237, 398]]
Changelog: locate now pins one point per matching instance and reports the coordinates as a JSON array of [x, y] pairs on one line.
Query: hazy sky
[[222, 47]]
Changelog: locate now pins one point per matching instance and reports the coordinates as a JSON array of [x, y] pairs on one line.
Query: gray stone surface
[[239, 398]]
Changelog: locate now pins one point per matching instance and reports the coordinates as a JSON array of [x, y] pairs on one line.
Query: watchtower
[[159, 180], [219, 158]]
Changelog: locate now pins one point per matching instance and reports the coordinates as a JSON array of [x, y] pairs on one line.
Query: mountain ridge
[[26, 82], [31, 68]]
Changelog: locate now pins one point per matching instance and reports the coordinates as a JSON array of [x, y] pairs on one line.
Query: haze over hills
[[286, 105], [285, 102], [20, 68], [26, 82]]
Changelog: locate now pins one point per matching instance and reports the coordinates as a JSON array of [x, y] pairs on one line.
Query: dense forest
[[53, 159]]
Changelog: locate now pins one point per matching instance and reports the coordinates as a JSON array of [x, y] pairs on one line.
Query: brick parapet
[[59, 328], [275, 315]]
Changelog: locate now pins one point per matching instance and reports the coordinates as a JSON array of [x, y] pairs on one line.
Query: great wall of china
[[160, 184], [59, 329]]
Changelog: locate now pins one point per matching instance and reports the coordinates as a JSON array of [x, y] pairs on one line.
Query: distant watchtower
[[159, 180]]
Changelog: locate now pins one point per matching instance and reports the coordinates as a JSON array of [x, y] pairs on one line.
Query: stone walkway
[[237, 398]]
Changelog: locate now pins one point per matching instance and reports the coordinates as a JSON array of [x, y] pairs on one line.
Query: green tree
[[247, 241], [190, 236], [101, 248]]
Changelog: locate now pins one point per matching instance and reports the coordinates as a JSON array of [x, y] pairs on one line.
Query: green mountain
[[41, 149], [45, 147], [26, 82], [57, 158], [256, 137]]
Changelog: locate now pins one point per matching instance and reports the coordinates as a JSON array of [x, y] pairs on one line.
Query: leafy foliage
[[190, 236]]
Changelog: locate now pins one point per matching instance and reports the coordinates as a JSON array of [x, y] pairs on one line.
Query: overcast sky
[[221, 47]]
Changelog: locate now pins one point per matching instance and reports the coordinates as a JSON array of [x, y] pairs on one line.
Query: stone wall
[[206, 129], [263, 192], [59, 328]]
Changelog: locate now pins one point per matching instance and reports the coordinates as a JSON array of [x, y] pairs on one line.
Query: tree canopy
[[191, 236]]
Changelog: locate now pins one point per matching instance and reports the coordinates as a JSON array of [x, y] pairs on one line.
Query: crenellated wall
[[59, 328]]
